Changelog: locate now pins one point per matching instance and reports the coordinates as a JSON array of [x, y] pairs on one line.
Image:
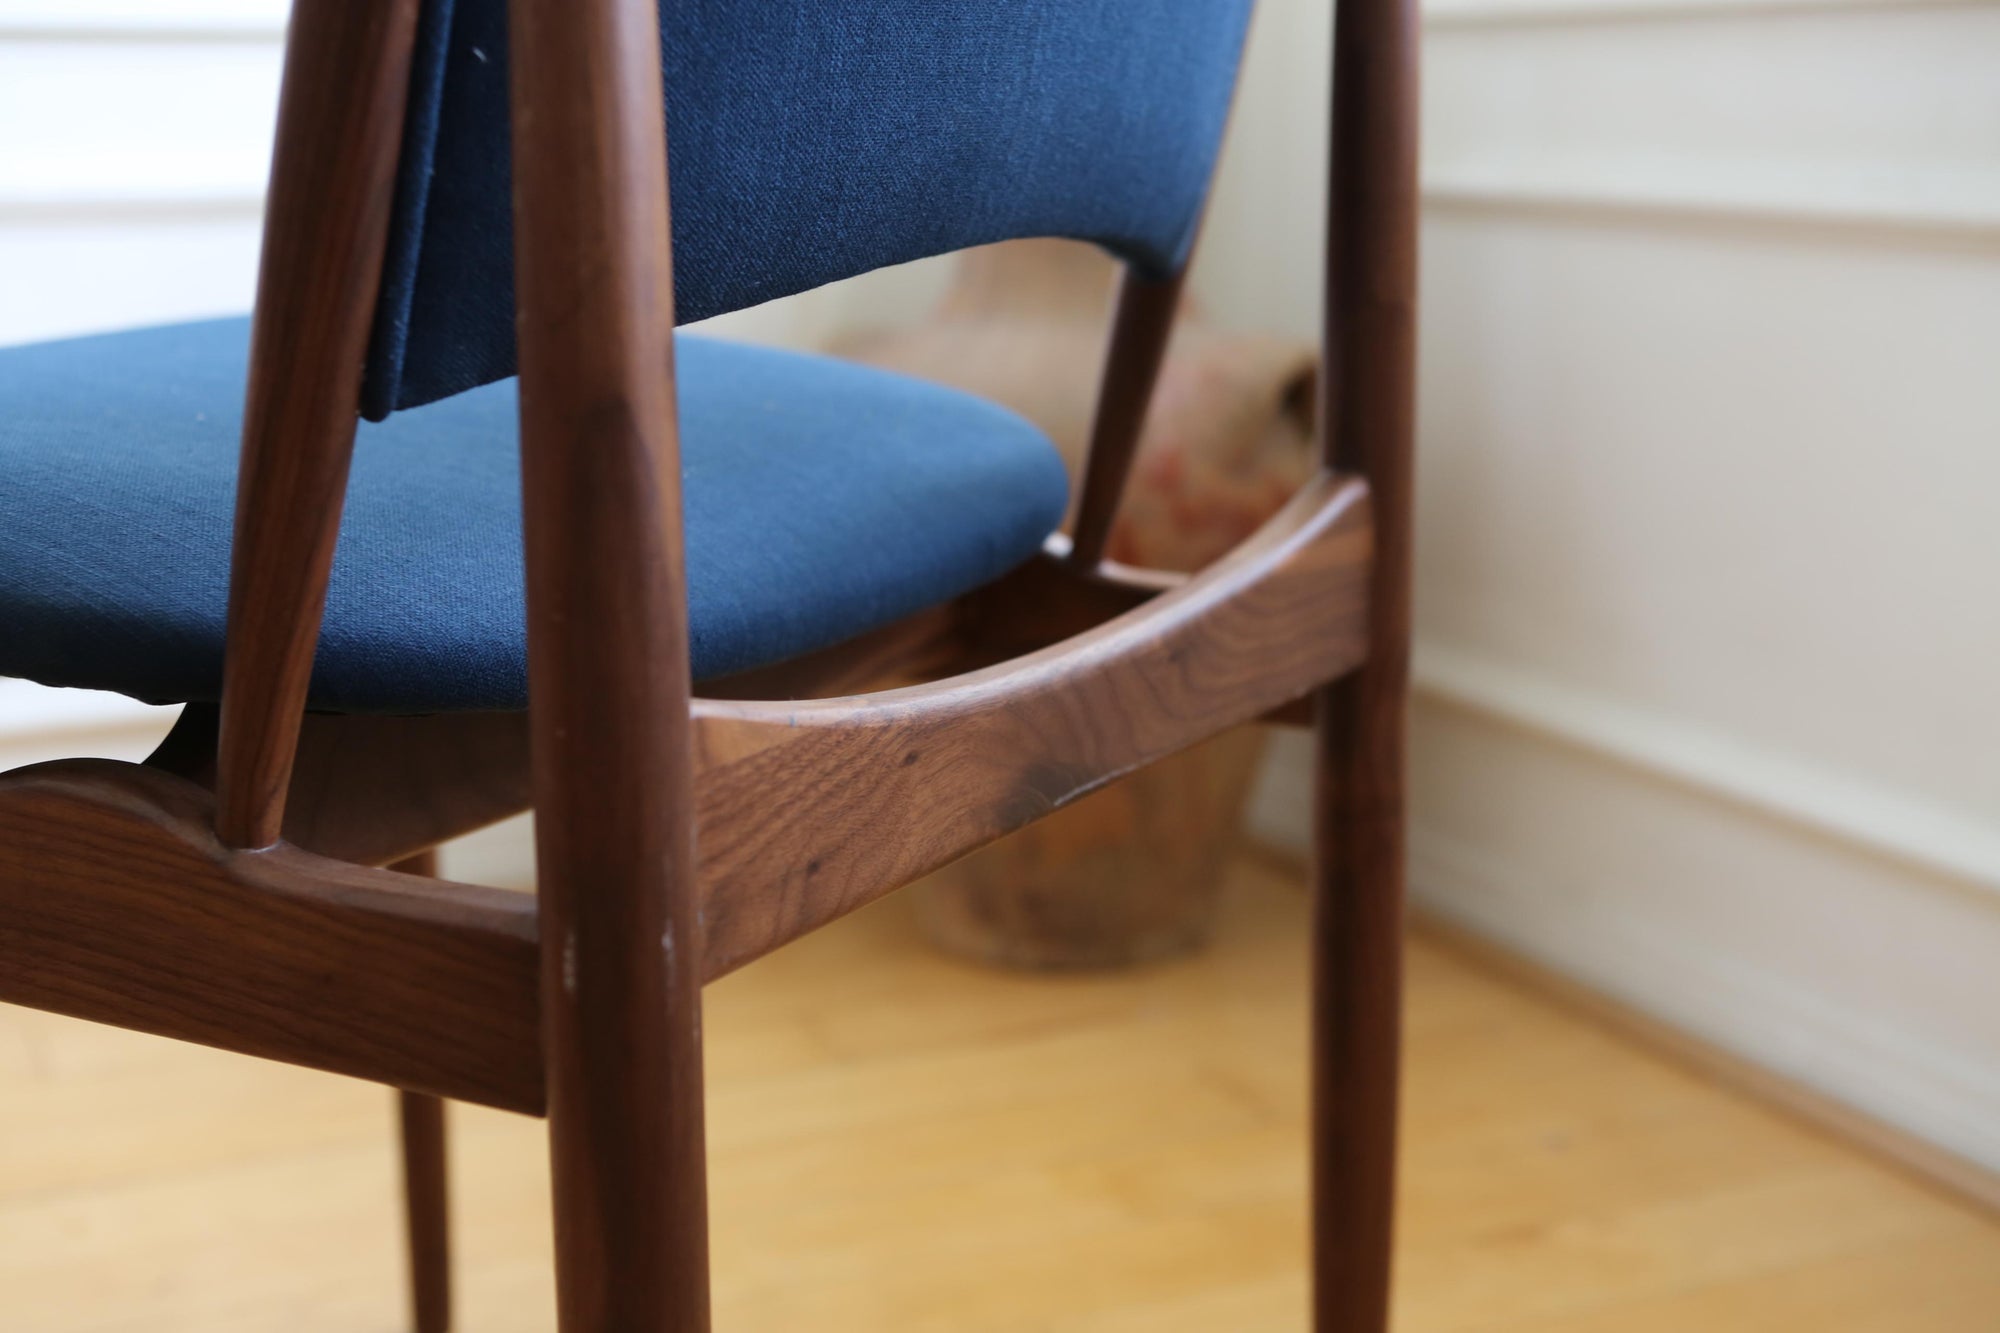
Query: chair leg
[[629, 1174], [1357, 1000], [427, 1211], [426, 1197]]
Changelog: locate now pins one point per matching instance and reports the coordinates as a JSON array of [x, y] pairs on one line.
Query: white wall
[[1707, 596], [1707, 608], [1709, 428], [134, 139]]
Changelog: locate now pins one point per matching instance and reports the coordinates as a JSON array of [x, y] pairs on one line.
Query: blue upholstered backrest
[[809, 140]]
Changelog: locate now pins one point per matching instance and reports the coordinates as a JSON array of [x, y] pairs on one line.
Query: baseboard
[[1934, 1166], [1876, 818], [1854, 971], [1951, 1173], [1832, 946]]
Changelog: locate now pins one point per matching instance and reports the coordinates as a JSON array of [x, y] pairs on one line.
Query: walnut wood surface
[[372, 789], [919, 647], [1054, 597], [119, 904], [426, 1183], [340, 120], [608, 668], [993, 749], [375, 789], [810, 809], [126, 895], [792, 797], [1141, 323], [426, 1209], [1007, 1156], [1369, 359]]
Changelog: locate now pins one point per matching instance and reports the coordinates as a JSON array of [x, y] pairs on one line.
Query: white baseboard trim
[[1965, 211], [1880, 819], [1449, 15], [1666, 968], [261, 21], [1843, 936]]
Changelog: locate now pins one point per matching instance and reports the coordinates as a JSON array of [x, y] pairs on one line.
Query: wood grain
[[426, 1209], [374, 789], [131, 911], [119, 904], [426, 1184], [1369, 379], [904, 1144], [924, 646], [797, 802], [333, 176], [608, 667], [1142, 321], [1051, 598]]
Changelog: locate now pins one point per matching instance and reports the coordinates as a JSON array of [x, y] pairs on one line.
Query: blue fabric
[[821, 499], [810, 140]]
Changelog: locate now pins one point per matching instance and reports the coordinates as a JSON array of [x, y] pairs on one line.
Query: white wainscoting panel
[[1863, 976], [1709, 567], [134, 142]]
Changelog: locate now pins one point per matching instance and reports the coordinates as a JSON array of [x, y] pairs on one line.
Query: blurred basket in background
[[1129, 873]]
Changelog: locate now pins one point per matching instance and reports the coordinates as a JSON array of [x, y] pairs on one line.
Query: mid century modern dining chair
[[898, 662]]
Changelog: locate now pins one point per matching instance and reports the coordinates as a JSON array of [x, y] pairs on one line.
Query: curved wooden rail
[[373, 790], [809, 809], [133, 912], [119, 904]]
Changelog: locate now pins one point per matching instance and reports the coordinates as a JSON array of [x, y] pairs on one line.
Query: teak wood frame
[[191, 897]]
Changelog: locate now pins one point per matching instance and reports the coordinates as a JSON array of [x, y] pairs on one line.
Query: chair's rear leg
[[1356, 999], [426, 1194], [427, 1210]]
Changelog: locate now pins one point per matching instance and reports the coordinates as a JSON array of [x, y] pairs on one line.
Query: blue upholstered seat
[[809, 140], [821, 500]]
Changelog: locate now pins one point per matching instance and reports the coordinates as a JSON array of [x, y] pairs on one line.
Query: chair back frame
[[333, 174]]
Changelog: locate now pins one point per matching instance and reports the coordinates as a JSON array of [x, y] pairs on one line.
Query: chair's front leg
[[1357, 939], [626, 1145], [621, 942]]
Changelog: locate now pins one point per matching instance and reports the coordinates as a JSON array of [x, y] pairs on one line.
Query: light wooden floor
[[901, 1142]]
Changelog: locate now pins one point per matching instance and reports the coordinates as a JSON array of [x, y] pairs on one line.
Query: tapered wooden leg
[[1357, 1001], [426, 1200], [427, 1211], [608, 703]]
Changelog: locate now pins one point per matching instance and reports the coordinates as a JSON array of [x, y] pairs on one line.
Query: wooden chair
[[226, 892]]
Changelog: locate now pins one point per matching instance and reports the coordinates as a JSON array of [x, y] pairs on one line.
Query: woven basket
[[1130, 873]]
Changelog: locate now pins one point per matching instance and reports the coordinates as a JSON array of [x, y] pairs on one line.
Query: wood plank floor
[[901, 1142]]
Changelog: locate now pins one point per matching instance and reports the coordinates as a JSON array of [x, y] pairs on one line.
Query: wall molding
[[1977, 1182], [1966, 213], [137, 21], [130, 206], [1670, 970], [1874, 817], [1454, 15]]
